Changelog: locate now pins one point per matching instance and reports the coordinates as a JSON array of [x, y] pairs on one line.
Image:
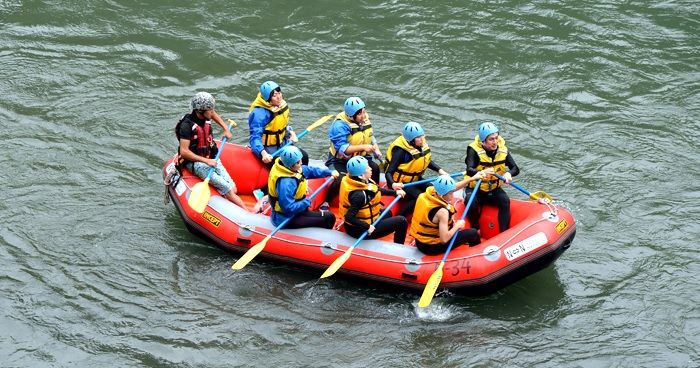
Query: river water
[[597, 99]]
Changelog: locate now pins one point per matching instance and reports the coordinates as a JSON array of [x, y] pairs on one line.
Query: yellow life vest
[[423, 229], [280, 171], [371, 210], [498, 163], [412, 170], [276, 129], [359, 134]]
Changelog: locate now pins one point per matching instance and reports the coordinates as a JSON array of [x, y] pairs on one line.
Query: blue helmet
[[357, 166], [352, 105], [486, 129], [412, 131], [290, 155], [267, 88], [444, 184]]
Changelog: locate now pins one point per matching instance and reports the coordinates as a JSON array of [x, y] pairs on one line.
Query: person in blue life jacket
[[408, 158], [489, 153], [351, 135], [433, 223], [288, 186], [197, 149], [361, 204]]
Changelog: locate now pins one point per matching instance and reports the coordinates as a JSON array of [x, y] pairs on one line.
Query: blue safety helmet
[[352, 105], [267, 88], [412, 131], [357, 166], [486, 129], [290, 155], [444, 184], [202, 101]]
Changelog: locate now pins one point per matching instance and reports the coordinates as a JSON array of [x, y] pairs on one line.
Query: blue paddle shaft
[[423, 181], [381, 215], [221, 148], [516, 186], [312, 196], [299, 136], [464, 214]]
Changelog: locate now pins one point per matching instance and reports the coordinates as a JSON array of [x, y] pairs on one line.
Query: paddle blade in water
[[430, 287], [250, 254], [337, 264], [199, 197]]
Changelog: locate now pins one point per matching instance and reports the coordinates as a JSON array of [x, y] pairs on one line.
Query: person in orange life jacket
[[351, 135], [432, 225], [409, 156], [488, 152], [360, 204], [288, 186], [197, 148], [268, 123]]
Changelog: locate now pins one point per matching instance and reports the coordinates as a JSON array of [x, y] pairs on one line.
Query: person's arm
[[435, 167], [357, 200], [257, 119], [472, 160], [220, 121], [513, 169], [443, 217], [338, 134], [191, 156], [286, 187], [311, 172]]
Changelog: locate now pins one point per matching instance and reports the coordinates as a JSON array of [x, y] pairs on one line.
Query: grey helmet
[[203, 101]]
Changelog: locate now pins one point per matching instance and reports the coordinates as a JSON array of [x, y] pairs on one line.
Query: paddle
[[341, 260], [430, 180], [306, 131], [434, 280], [257, 248], [199, 196], [534, 196]]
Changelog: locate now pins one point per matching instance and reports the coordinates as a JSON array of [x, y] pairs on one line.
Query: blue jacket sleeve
[[311, 172], [257, 119], [286, 187], [338, 134]]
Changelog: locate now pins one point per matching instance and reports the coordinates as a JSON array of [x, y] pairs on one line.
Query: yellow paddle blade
[[536, 196], [319, 122], [199, 197], [250, 254], [430, 287], [337, 264]]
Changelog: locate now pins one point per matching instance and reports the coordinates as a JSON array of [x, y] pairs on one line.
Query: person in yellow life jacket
[[351, 135], [287, 184], [360, 204], [268, 123], [433, 225], [197, 148], [488, 152], [408, 157]]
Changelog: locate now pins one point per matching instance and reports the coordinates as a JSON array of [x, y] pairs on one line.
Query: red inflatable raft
[[539, 234]]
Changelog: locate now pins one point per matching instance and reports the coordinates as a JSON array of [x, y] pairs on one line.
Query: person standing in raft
[[488, 152], [408, 157], [288, 184], [197, 149], [268, 125], [351, 135], [360, 204], [433, 223]]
